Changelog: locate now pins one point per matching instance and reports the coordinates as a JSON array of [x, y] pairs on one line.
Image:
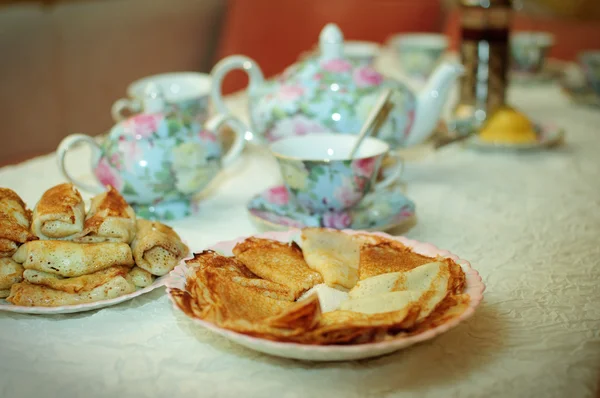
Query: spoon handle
[[372, 118]]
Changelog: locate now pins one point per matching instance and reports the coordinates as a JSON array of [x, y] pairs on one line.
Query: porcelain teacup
[[419, 53], [528, 50], [361, 51], [185, 92], [321, 177], [590, 63]]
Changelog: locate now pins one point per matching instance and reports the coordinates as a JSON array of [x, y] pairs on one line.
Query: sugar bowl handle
[[65, 145], [125, 104], [238, 127]]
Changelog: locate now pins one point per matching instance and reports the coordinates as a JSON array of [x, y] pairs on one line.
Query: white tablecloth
[[530, 223]]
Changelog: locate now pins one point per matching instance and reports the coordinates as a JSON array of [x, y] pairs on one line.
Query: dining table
[[527, 221]]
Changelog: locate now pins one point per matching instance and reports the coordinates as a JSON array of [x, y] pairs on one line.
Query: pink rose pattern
[[295, 125], [107, 175], [289, 92], [365, 167], [143, 125], [366, 76], [347, 195], [337, 65], [278, 195], [339, 220], [206, 135]]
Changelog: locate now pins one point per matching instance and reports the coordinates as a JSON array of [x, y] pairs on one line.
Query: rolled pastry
[[140, 277], [157, 248], [15, 220], [28, 294], [71, 259], [10, 273], [110, 219], [59, 214], [4, 293], [77, 284]]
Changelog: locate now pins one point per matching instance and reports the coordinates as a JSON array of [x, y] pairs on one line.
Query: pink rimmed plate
[[70, 309], [474, 288]]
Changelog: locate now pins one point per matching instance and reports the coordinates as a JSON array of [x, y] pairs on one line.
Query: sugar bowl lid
[[154, 121]]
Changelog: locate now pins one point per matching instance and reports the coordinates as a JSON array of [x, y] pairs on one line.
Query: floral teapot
[[329, 93], [157, 159]]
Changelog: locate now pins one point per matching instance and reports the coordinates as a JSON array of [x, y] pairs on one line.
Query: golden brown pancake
[[240, 274], [157, 248], [388, 256], [110, 219], [59, 214], [15, 220], [278, 262], [77, 284]]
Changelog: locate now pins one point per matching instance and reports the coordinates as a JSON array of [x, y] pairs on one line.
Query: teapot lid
[[331, 42]]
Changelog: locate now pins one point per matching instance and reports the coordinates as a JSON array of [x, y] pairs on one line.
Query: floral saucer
[[275, 209], [547, 136]]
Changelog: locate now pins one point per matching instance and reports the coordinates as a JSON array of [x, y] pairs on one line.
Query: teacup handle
[[395, 175], [238, 127], [226, 65], [61, 153], [125, 104]]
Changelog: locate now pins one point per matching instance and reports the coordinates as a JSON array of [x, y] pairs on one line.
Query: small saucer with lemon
[[508, 128]]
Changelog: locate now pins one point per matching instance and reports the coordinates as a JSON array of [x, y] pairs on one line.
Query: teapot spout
[[431, 100]]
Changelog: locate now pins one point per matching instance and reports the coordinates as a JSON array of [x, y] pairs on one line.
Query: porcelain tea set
[[168, 149]]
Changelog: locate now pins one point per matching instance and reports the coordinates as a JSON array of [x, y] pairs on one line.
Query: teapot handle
[[226, 65], [238, 127], [65, 146]]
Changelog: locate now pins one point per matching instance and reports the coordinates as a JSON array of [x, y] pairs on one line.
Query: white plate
[[69, 309], [474, 287]]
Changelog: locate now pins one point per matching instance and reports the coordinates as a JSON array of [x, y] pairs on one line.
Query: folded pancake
[[334, 254], [15, 220], [157, 248], [425, 286], [28, 294], [69, 259], [59, 214], [278, 262], [348, 327], [388, 256], [212, 295], [110, 219], [76, 284], [140, 277], [10, 273], [240, 274]]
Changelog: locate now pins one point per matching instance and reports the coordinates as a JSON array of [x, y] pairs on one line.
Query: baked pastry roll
[[76, 284], [28, 294], [15, 220], [140, 277], [157, 248], [59, 214], [10, 273], [110, 219], [278, 262], [69, 259]]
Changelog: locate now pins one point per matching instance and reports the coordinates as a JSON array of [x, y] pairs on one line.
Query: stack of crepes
[[69, 257], [337, 288]]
